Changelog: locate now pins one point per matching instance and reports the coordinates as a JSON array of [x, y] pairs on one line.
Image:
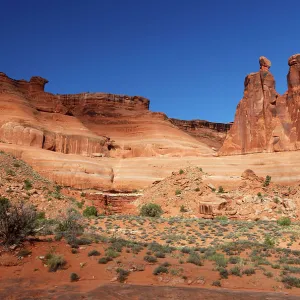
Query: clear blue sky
[[189, 57]]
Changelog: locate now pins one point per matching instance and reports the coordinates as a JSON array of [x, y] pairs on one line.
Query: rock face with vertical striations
[[266, 121], [88, 124]]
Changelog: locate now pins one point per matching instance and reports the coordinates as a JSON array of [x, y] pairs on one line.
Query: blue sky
[[189, 57]]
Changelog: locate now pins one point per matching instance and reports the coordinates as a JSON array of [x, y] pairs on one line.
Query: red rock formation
[[264, 120], [87, 123], [210, 133]]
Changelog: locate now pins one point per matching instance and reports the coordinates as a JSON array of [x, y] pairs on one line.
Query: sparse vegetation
[[17, 221], [54, 261], [183, 209], [90, 211], [151, 210], [160, 270], [177, 192], [267, 181], [220, 189], [74, 277], [284, 221]]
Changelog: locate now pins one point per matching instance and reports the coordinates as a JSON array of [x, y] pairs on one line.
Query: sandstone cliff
[[88, 124], [264, 120], [210, 133]]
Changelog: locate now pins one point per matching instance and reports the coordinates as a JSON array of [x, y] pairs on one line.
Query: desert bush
[[112, 253], [104, 260], [160, 254], [216, 283], [54, 261], [160, 270], [122, 274], [27, 184], [269, 242], [234, 260], [181, 171], [183, 209], [235, 271], [74, 277], [221, 189], [284, 221], [151, 210], [17, 221], [223, 273], [90, 211], [177, 192], [267, 180], [93, 253], [249, 271], [219, 259], [291, 281], [150, 259], [69, 226], [194, 258]]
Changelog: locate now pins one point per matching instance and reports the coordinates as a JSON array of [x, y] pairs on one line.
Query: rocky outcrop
[[264, 120], [210, 133]]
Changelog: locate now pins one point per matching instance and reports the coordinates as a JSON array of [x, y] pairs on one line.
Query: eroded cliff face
[[264, 120], [88, 124], [210, 133]]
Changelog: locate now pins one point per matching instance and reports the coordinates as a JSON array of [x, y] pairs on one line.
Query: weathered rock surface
[[210, 133], [88, 124], [264, 120]]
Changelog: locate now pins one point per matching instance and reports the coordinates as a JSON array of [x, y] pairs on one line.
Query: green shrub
[[183, 209], [160, 270], [269, 242], [90, 211], [216, 283], [104, 260], [235, 271], [122, 274], [197, 189], [194, 258], [27, 184], [249, 271], [74, 277], [291, 281], [69, 226], [109, 252], [219, 259], [160, 254], [151, 210], [221, 189], [284, 221], [177, 192], [16, 165], [94, 253], [267, 180], [181, 171], [24, 253], [54, 261], [223, 273], [234, 260], [17, 221], [150, 259], [259, 194]]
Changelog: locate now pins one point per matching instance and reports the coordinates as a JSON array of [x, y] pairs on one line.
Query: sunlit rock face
[[266, 121]]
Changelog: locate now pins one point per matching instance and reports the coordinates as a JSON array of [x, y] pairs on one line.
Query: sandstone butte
[[266, 121]]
